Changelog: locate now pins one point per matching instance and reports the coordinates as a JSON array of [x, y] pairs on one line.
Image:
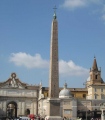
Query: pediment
[[13, 82]]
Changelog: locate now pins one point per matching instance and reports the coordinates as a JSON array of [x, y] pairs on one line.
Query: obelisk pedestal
[[53, 109]]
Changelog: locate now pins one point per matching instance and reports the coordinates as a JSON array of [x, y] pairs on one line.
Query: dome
[[65, 93]]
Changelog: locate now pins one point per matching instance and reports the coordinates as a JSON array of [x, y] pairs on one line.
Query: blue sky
[[25, 30]]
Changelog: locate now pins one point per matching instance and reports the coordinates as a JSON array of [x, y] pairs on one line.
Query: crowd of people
[[95, 118], [65, 118]]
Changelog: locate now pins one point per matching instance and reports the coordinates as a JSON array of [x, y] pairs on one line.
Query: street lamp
[[86, 110], [85, 99], [102, 108]]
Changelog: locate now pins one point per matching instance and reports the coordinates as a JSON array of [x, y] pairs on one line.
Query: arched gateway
[[12, 109], [17, 98]]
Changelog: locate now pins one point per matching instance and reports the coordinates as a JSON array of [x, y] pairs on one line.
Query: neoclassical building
[[21, 99], [17, 98]]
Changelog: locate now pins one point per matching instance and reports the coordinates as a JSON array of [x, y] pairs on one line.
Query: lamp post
[[85, 99], [86, 110], [102, 115], [102, 108]]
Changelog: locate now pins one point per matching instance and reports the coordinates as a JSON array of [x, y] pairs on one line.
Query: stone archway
[[27, 111], [12, 109]]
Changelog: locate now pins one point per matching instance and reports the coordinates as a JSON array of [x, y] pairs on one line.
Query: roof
[[15, 83], [95, 65], [71, 89]]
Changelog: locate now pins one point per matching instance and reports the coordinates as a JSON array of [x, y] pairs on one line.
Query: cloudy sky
[[25, 30]]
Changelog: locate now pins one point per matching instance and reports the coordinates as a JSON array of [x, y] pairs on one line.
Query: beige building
[[22, 99], [95, 84], [17, 98]]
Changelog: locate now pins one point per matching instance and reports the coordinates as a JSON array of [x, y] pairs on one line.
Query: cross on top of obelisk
[[55, 8], [54, 16]]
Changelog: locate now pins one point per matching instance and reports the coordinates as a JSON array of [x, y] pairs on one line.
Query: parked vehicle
[[24, 118], [36, 117]]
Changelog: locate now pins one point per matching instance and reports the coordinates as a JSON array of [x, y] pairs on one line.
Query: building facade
[[17, 98]]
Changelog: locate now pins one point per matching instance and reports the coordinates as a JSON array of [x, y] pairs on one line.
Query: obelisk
[[53, 101], [54, 65]]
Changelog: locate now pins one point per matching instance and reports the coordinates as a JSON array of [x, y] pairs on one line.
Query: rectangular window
[[84, 95], [101, 89], [101, 96], [95, 89], [67, 111], [95, 96], [66, 103]]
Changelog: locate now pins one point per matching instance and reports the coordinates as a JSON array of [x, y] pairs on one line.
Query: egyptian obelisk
[[53, 98], [54, 65]]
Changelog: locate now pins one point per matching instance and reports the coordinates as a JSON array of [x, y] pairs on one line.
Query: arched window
[[95, 96], [27, 111], [96, 76]]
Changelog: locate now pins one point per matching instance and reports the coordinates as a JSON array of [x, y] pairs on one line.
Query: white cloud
[[26, 60], [71, 69], [103, 13], [103, 17], [65, 68], [73, 4], [95, 1], [104, 8]]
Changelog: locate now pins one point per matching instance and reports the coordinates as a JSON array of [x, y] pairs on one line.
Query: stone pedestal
[[53, 118], [53, 109]]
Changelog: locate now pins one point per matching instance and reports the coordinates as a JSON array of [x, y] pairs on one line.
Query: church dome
[[65, 93]]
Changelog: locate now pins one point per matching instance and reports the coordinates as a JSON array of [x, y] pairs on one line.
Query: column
[[20, 109], [4, 107], [23, 108]]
